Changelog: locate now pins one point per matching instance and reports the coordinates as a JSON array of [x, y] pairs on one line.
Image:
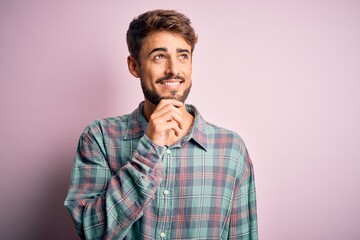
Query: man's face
[[165, 67]]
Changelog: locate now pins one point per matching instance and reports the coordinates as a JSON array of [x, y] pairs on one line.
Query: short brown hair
[[158, 20]]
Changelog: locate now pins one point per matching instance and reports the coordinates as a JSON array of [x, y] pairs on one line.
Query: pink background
[[285, 75]]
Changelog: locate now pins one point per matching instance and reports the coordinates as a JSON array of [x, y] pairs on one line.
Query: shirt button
[[166, 192], [168, 151], [162, 234]]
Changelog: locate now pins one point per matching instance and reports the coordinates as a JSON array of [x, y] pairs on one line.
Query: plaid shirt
[[124, 186]]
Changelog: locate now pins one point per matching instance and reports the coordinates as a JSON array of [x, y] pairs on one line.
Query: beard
[[154, 97]]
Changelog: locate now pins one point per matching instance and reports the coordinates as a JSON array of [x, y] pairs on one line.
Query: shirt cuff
[[149, 152]]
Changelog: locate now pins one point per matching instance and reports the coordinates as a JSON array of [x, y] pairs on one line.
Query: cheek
[[147, 74], [188, 71], [155, 72]]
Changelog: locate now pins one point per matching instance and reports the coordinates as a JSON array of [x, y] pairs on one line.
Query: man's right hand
[[166, 117]]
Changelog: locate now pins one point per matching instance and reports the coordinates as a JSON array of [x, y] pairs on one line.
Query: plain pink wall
[[285, 75]]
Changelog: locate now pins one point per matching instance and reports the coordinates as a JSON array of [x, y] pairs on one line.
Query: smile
[[171, 83]]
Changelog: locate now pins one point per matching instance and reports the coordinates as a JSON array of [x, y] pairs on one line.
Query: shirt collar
[[137, 124]]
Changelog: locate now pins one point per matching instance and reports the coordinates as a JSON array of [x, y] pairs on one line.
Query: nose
[[171, 67]]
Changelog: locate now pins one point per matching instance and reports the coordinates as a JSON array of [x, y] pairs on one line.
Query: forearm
[[129, 192], [243, 219], [106, 206]]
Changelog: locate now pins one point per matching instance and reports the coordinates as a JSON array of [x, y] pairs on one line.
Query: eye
[[159, 57], [184, 56]]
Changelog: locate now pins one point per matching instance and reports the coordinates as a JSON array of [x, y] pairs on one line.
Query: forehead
[[164, 39]]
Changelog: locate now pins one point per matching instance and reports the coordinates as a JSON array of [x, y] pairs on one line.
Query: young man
[[162, 172]]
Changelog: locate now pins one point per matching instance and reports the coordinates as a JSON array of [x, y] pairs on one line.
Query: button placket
[[165, 191]]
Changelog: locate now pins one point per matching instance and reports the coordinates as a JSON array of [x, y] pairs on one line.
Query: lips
[[171, 80]]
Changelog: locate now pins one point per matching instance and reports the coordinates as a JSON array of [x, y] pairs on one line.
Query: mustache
[[168, 77]]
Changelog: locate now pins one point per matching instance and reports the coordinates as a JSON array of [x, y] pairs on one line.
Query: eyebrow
[[161, 49], [158, 50], [180, 50]]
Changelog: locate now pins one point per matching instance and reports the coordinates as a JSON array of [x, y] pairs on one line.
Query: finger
[[164, 128], [170, 116], [173, 102], [172, 125], [178, 118], [163, 109], [167, 113]]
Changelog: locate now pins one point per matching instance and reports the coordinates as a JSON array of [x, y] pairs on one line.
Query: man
[[162, 172]]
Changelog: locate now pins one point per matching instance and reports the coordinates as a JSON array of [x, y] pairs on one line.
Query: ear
[[133, 66]]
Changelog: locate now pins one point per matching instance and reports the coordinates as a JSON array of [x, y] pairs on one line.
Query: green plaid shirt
[[123, 186]]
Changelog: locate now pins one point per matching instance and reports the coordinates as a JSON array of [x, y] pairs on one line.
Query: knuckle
[[152, 118], [157, 128], [174, 124]]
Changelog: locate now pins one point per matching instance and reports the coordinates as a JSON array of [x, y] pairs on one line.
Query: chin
[[179, 98]]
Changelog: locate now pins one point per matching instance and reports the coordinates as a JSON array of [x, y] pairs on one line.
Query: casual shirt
[[124, 186]]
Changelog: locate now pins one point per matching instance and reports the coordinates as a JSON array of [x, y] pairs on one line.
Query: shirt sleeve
[[105, 205], [243, 219]]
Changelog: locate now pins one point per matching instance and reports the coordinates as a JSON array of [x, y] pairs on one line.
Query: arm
[[243, 219], [104, 206]]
